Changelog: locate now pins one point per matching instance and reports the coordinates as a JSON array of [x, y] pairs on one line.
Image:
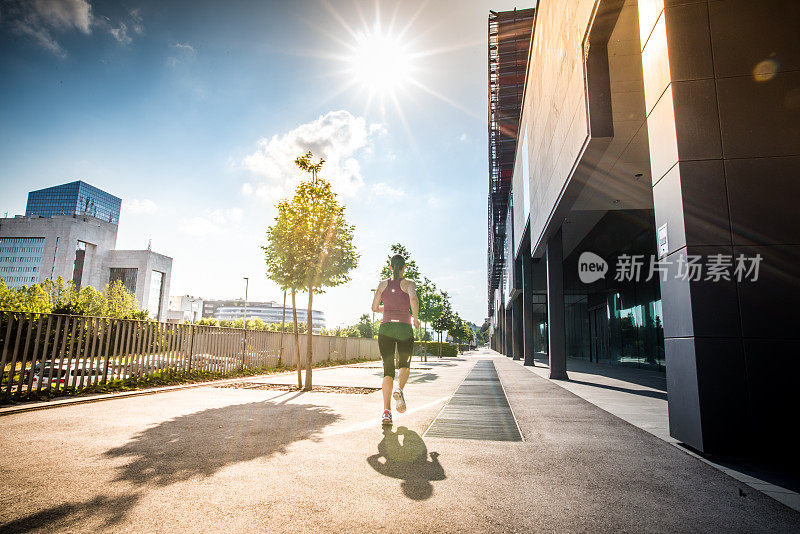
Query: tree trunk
[[283, 321], [440, 344], [310, 347], [297, 343]]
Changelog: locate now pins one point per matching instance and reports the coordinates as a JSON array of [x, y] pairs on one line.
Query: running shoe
[[399, 399], [387, 418]]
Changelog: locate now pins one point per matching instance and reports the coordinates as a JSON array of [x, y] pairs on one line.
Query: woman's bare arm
[[376, 301], [412, 293]]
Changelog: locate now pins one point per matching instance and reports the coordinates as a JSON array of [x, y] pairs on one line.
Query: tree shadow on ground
[[407, 461], [202, 443], [414, 378], [193, 445], [100, 512]]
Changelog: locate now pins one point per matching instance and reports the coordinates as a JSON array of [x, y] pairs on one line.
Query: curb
[[46, 405]]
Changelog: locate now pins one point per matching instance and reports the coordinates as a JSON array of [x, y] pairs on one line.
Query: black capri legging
[[387, 345]]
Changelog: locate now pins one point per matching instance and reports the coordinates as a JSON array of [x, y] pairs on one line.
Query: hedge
[[433, 348]]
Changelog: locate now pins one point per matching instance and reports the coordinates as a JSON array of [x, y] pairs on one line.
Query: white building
[[269, 312], [184, 309], [81, 248]]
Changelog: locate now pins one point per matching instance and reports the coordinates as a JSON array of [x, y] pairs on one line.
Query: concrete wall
[[145, 261], [554, 106], [69, 229]]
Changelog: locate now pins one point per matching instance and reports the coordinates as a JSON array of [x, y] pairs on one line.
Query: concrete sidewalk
[[639, 397], [214, 459]]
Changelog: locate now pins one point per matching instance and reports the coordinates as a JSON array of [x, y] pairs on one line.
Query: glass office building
[[75, 198]]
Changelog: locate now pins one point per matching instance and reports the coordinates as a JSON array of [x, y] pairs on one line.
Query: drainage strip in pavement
[[478, 409]]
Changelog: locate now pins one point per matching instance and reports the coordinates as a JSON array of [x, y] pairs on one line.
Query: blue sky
[[192, 112]]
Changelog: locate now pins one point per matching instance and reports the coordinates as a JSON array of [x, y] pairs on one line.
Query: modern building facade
[[75, 198], [269, 312], [649, 218], [81, 248]]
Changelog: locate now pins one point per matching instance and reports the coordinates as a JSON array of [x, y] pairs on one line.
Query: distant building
[[184, 309], [74, 198], [269, 312], [79, 247]]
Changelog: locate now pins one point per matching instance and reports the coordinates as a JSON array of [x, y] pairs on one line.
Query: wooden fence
[[47, 351]]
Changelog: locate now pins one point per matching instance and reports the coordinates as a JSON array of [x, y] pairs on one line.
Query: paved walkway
[[221, 459], [639, 397]]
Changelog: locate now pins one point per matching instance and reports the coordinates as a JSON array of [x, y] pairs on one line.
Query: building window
[[19, 255], [126, 276], [156, 293]]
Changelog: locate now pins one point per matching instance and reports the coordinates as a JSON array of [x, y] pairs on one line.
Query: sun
[[380, 63]]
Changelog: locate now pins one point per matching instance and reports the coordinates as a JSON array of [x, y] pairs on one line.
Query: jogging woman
[[400, 302]]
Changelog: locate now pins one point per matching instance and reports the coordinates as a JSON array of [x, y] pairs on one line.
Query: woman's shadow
[[403, 455]]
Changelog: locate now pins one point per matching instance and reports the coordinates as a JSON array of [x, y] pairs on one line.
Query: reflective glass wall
[[618, 322]]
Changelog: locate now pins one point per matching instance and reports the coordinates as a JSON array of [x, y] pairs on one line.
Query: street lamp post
[[244, 344]]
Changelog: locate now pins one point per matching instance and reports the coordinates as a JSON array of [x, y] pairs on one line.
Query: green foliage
[[365, 327], [460, 330], [310, 246], [63, 297], [433, 348], [444, 317], [412, 271]]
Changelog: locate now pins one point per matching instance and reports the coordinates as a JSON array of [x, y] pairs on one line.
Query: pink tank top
[[396, 304]]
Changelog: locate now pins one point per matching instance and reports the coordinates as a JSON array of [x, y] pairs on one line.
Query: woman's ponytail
[[397, 262]]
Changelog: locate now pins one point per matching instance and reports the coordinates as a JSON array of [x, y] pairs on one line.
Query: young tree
[[444, 318], [284, 263], [310, 247], [326, 244]]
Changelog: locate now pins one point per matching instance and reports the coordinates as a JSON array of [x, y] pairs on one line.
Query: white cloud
[[199, 227], [213, 222], [121, 34], [247, 189], [42, 20], [386, 192], [140, 207], [337, 136], [182, 52], [136, 21], [232, 215], [378, 128], [38, 19], [41, 36], [64, 14], [433, 201], [462, 137]]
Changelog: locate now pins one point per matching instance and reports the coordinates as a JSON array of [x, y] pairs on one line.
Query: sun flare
[[380, 63]]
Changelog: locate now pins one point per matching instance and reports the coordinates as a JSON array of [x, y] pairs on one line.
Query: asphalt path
[[228, 459]]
